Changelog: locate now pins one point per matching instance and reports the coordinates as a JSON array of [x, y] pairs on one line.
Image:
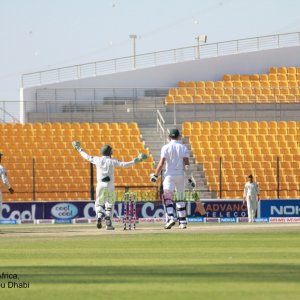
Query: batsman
[[176, 157], [105, 195]]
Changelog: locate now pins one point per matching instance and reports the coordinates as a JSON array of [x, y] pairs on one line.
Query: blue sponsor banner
[[279, 208], [261, 220], [7, 222], [63, 221], [85, 209], [227, 220], [196, 220]]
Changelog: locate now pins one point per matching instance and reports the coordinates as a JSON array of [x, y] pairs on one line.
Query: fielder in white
[[105, 195], [251, 195], [176, 157], [5, 181]]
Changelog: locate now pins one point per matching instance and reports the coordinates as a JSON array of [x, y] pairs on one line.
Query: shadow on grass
[[167, 273]]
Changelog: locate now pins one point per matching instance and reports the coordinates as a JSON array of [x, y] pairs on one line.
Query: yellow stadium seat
[[281, 77], [200, 91], [291, 77], [191, 84], [282, 70], [273, 70], [237, 84], [228, 91], [291, 70], [254, 77], [272, 78], [182, 91], [187, 99], [178, 99], [236, 77], [191, 91], [228, 84], [219, 84], [227, 77], [246, 84], [244, 77], [263, 77], [200, 84], [169, 100]]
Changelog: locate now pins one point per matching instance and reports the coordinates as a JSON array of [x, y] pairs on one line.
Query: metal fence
[[272, 184], [160, 58], [9, 112]]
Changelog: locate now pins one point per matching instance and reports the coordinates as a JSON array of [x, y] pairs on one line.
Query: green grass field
[[191, 264]]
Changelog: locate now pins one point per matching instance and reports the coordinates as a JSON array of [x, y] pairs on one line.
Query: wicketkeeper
[[105, 195], [176, 157], [251, 193], [5, 181]]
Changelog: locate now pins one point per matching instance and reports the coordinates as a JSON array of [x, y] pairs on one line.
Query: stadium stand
[[281, 85], [60, 173], [248, 148]]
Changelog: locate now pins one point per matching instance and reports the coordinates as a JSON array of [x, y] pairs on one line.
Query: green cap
[[174, 132], [106, 150]]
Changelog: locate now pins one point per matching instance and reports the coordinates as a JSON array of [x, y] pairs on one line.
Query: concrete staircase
[[154, 142]]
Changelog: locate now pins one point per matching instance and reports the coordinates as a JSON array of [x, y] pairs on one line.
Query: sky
[[40, 34]]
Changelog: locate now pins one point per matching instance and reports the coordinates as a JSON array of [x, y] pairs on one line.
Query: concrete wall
[[205, 69]]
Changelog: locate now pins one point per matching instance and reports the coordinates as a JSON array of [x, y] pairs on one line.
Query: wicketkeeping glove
[[191, 183], [141, 157], [153, 177], [76, 145]]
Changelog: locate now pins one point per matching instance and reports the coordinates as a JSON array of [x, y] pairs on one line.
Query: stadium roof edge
[[159, 58]]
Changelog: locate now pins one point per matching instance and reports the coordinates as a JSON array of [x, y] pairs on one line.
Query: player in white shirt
[[251, 195], [5, 181], [176, 157], [105, 181]]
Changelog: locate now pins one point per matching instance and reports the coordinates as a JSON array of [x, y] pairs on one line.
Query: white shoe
[[169, 224], [182, 226]]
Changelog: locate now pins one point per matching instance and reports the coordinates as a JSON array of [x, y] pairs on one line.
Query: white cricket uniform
[[5, 182], [250, 193], [174, 152], [105, 167]]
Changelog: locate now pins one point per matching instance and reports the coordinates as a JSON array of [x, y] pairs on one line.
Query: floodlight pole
[[200, 39], [134, 37], [198, 47]]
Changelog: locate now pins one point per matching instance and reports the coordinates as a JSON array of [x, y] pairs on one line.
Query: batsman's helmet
[[174, 133], [106, 150]]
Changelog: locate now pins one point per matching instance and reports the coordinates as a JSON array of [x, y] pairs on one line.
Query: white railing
[[5, 116], [160, 123], [160, 58]]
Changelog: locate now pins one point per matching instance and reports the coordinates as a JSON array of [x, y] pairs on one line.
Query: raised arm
[[76, 146], [125, 164]]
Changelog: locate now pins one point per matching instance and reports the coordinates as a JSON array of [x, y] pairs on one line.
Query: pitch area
[[208, 261]]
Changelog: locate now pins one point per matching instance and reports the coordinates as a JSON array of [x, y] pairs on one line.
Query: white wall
[[169, 75]]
